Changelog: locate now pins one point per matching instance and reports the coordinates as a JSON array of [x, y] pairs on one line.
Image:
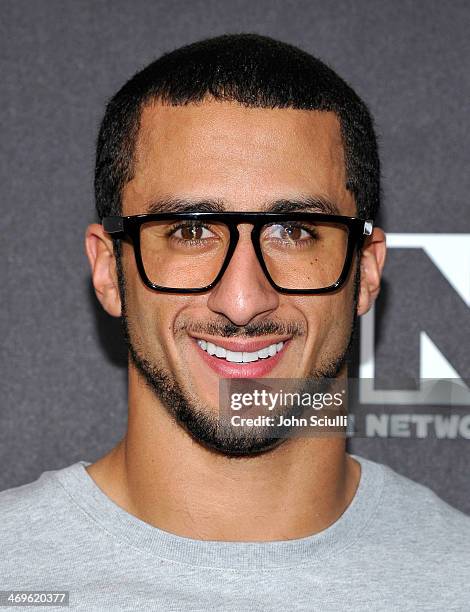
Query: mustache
[[227, 329]]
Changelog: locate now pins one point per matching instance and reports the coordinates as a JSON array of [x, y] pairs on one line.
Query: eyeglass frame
[[129, 226]]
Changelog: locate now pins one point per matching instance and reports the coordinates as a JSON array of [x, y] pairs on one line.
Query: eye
[[289, 231], [192, 231]]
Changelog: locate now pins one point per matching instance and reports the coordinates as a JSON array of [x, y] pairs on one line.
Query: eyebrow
[[176, 205], [303, 204], [285, 205]]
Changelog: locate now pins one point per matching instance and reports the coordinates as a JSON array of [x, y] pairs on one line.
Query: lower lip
[[255, 369]]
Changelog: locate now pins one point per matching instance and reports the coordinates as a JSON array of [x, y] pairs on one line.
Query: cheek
[[329, 319], [340, 318], [151, 317], [145, 308]]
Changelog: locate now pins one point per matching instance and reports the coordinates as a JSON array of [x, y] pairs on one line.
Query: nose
[[244, 292]]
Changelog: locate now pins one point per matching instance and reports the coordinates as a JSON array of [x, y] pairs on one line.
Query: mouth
[[230, 358]]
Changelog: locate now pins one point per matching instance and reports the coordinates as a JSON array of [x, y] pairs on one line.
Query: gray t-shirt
[[396, 547]]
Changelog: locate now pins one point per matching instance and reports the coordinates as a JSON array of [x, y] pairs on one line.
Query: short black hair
[[255, 71]]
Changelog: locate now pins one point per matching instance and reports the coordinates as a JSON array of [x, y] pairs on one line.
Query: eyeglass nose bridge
[[255, 241]]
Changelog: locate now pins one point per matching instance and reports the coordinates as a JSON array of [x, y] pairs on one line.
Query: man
[[188, 512]]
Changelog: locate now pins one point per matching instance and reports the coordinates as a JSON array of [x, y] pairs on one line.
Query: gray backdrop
[[62, 361]]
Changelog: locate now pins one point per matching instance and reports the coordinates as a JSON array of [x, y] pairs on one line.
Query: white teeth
[[234, 356], [238, 356]]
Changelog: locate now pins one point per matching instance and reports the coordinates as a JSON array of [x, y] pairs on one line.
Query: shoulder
[[418, 518], [35, 513], [422, 505], [29, 499]]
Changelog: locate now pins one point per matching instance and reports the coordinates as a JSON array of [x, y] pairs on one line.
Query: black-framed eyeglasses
[[188, 252]]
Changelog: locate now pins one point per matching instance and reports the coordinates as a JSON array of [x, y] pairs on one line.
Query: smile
[[240, 356]]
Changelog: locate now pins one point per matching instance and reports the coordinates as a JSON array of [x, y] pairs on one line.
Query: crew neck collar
[[220, 554]]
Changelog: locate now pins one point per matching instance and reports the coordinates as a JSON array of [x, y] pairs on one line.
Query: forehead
[[242, 156]]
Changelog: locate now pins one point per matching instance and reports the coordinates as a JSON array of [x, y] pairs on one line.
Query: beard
[[205, 427]]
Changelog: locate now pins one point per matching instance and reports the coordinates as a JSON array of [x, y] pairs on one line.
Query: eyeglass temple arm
[[113, 225], [368, 226]]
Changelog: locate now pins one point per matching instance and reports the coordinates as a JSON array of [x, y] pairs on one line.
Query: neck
[[163, 477]]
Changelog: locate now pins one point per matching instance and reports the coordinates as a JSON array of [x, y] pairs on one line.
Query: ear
[[99, 249], [372, 263]]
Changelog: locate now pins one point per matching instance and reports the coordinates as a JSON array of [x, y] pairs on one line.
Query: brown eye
[[191, 232], [294, 233], [287, 233]]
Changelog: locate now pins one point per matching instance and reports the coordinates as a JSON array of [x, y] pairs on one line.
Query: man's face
[[244, 158]]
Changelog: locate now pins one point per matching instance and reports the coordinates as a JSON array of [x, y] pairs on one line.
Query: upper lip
[[249, 345]]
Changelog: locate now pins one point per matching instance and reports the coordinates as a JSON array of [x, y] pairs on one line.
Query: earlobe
[[372, 263], [99, 249]]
